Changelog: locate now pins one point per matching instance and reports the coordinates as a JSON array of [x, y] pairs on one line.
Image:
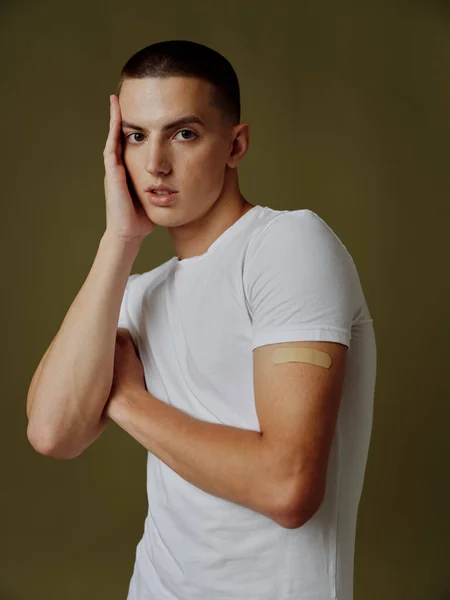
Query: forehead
[[157, 100]]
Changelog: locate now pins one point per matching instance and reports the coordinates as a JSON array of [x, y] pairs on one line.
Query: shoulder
[[293, 233]]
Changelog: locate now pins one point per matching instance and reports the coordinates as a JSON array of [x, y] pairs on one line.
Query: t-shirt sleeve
[[300, 282], [125, 318]]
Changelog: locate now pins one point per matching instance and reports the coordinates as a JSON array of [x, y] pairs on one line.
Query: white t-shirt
[[273, 276]]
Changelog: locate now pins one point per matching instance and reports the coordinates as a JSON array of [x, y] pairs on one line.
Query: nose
[[157, 159]]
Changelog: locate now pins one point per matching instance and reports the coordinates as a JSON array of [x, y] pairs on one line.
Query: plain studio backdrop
[[349, 108]]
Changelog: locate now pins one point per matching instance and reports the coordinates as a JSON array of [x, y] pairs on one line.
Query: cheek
[[130, 161], [205, 177], [207, 167]]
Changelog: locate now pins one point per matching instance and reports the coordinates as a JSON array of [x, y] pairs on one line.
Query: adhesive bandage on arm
[[306, 355]]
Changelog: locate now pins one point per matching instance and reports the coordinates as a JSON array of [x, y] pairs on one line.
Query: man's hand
[[128, 372]]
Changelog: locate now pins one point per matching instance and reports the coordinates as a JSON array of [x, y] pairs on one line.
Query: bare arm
[[72, 382]]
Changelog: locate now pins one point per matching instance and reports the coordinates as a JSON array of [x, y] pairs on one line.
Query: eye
[[189, 131], [129, 136]]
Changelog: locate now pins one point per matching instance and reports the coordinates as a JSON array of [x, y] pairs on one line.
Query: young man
[[245, 364]]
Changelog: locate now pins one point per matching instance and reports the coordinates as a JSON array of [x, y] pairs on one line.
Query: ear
[[240, 143]]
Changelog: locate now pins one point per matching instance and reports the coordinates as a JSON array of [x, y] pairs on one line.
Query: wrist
[[116, 241]]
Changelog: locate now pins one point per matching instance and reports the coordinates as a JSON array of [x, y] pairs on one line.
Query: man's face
[[190, 158]]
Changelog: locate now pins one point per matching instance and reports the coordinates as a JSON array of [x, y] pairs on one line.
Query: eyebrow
[[182, 121]]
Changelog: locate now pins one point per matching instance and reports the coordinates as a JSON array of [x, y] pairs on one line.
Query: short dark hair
[[185, 58]]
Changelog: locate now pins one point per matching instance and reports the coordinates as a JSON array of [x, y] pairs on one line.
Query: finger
[[115, 106], [116, 103], [117, 126], [109, 146], [112, 146]]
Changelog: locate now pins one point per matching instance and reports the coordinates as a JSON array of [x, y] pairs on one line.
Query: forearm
[[71, 385], [225, 461]]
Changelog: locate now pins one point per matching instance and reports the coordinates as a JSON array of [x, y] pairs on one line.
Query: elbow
[[298, 518], [44, 447], [37, 440], [295, 510], [294, 519]]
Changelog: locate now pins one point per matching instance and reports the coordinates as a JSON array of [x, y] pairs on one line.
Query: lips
[[160, 188], [162, 200]]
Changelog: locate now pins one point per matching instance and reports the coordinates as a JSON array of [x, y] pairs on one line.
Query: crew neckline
[[232, 230]]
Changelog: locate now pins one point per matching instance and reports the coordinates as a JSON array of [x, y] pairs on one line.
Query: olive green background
[[349, 109]]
